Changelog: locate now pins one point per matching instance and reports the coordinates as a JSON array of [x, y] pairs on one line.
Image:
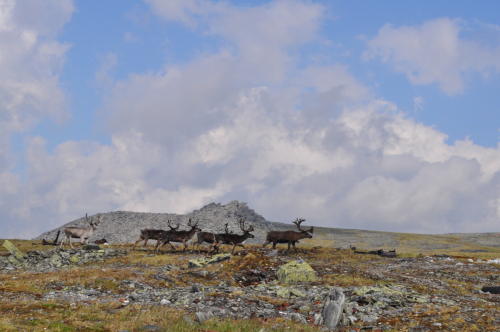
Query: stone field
[[115, 289]]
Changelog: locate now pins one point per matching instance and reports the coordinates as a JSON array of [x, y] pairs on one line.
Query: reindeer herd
[[163, 237]]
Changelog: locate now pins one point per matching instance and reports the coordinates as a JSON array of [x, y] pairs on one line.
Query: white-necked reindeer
[[80, 232]]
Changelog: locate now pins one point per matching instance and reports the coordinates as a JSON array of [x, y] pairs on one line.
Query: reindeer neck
[[192, 231]]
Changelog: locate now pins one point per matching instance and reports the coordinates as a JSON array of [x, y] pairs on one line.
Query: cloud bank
[[250, 122]]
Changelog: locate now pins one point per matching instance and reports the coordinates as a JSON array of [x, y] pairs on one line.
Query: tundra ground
[[24, 307]]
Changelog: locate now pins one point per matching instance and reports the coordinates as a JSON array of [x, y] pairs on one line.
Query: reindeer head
[[92, 223], [300, 221], [246, 231], [194, 227]]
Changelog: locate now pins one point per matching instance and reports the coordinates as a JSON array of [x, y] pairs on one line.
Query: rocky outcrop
[[48, 260]]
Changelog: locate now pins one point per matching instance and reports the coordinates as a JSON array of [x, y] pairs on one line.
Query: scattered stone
[[150, 327], [299, 318], [203, 316], [91, 247], [296, 271], [203, 261]]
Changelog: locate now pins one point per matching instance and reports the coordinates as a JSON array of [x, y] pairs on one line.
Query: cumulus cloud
[[30, 63], [31, 60], [434, 53], [103, 76]]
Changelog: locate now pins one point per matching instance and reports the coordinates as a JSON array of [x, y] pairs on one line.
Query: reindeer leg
[[265, 244], [157, 243], [274, 245], [288, 247], [140, 239], [214, 244], [234, 246], [185, 245], [293, 244], [70, 243]]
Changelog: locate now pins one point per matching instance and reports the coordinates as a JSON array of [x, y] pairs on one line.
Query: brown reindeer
[[153, 234], [177, 236], [289, 237], [209, 238], [233, 239]]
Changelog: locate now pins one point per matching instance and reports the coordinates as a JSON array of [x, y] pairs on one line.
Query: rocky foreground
[[326, 289]]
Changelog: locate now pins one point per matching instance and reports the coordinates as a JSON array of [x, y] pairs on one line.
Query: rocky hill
[[122, 226]]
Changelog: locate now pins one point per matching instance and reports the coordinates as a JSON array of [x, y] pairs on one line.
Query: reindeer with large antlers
[[233, 239], [153, 234], [289, 237], [210, 238], [80, 232], [177, 236]]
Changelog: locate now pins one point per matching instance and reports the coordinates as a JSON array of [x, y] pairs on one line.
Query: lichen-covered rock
[[289, 293], [296, 271], [200, 262], [13, 250]]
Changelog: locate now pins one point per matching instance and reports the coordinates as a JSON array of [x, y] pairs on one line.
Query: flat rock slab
[[296, 271], [200, 262]]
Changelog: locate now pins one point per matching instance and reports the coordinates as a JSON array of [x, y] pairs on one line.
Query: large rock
[[332, 311], [296, 271], [13, 250], [203, 261]]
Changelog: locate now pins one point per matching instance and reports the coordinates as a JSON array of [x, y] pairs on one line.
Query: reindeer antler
[[298, 222], [98, 220], [242, 226], [87, 219], [193, 226], [172, 228]]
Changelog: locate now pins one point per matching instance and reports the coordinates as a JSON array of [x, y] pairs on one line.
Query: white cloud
[[30, 62], [418, 103], [103, 76], [434, 52], [130, 38]]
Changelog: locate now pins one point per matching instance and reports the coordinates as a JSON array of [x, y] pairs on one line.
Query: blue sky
[[357, 114]]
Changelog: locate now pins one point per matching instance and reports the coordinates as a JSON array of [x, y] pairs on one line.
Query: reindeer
[[101, 241], [177, 236], [153, 234], [289, 237], [79, 232], [233, 239], [209, 238]]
